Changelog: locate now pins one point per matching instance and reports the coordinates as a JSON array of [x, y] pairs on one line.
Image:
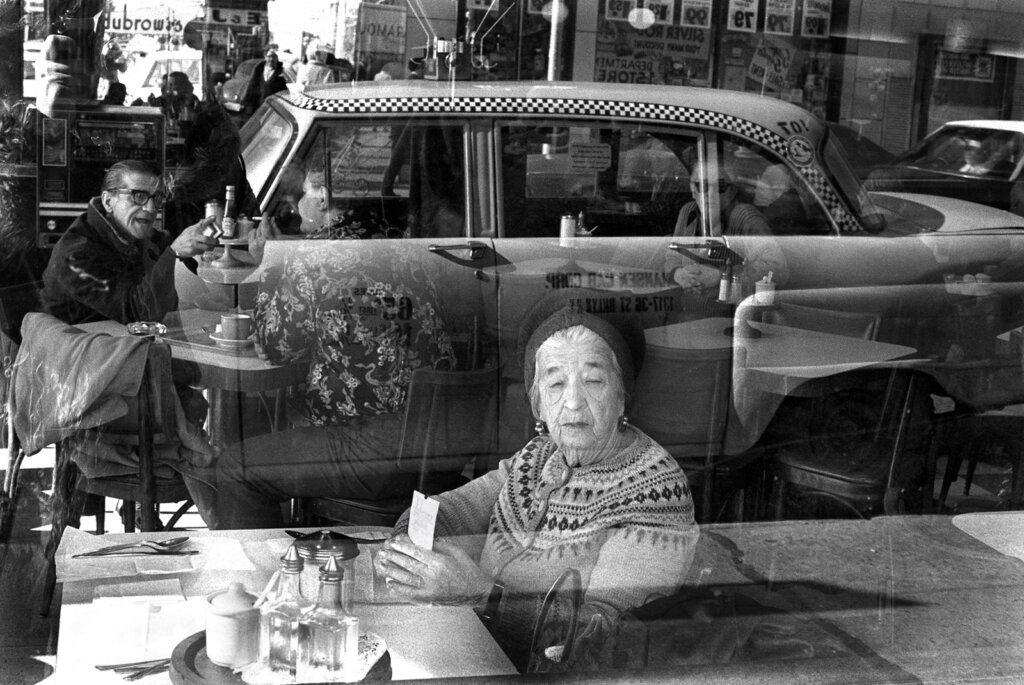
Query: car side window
[[360, 180], [773, 188], [625, 180]]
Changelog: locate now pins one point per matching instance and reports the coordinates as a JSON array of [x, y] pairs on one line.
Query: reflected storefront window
[[631, 339]]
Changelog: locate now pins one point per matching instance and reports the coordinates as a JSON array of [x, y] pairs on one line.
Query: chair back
[[15, 302], [851, 324], [681, 399], [150, 421], [157, 394], [450, 417]]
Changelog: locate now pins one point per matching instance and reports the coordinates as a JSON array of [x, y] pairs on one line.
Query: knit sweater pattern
[[626, 524]]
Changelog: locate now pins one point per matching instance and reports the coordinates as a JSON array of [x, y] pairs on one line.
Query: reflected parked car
[[479, 181], [972, 160]]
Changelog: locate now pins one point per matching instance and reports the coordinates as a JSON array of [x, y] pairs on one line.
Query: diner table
[[779, 361], [227, 374], [891, 599], [139, 608]]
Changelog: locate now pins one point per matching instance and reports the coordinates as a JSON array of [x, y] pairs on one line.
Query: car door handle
[[719, 254], [476, 248]]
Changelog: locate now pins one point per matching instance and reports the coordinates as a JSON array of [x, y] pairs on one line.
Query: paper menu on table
[[422, 518], [125, 622]]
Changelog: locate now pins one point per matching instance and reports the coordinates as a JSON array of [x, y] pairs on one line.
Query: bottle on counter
[[328, 634], [725, 285], [736, 290], [230, 219], [279, 616]]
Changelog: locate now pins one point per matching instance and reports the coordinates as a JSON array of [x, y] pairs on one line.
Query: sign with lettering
[[145, 19], [696, 13], [380, 35], [661, 53], [235, 19], [817, 19], [743, 15], [590, 156], [778, 17], [771, 64], [965, 66], [618, 10]]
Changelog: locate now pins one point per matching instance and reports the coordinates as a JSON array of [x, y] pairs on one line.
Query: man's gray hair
[[114, 178]]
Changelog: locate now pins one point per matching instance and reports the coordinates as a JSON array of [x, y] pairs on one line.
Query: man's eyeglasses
[[141, 197]]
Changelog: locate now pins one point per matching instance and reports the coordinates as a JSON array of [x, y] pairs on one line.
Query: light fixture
[[548, 11], [641, 18]]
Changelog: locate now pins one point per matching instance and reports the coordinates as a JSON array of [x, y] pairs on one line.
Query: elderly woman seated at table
[[589, 492]]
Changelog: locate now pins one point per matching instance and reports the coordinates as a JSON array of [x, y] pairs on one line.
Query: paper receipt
[[422, 518]]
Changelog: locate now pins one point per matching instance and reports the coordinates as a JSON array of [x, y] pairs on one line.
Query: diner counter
[[892, 599]]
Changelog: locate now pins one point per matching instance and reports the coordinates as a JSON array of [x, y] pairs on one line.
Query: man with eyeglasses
[[113, 262], [116, 262]]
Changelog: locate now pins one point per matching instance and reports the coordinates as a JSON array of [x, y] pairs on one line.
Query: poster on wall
[[778, 17], [696, 13], [743, 15], [380, 35], [965, 66], [771, 65], [666, 53], [817, 19]]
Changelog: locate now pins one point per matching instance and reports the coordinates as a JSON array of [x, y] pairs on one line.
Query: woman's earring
[[623, 422], [540, 427]]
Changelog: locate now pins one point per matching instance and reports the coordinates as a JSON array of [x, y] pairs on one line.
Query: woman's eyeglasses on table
[[141, 197]]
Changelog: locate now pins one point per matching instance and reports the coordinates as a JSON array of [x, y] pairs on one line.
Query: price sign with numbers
[[743, 15], [664, 10], [817, 19], [778, 17], [618, 10], [696, 13]]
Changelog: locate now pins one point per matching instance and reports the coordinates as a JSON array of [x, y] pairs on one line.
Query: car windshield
[[264, 138], [969, 150]]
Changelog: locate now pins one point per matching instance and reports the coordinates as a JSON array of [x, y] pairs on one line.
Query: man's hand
[[192, 242], [445, 575]]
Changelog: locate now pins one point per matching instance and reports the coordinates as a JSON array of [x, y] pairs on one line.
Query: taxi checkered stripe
[[580, 107]]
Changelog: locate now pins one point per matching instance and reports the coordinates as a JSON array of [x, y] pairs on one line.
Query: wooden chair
[[450, 418], [150, 421], [15, 302], [682, 400], [849, 449]]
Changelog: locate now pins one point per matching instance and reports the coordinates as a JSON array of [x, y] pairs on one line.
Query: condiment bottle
[[230, 212], [328, 635], [279, 616], [725, 286]]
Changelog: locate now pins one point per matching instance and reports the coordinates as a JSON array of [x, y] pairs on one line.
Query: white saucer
[[229, 344]]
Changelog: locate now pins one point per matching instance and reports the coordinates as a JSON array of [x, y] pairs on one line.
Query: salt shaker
[[328, 635]]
